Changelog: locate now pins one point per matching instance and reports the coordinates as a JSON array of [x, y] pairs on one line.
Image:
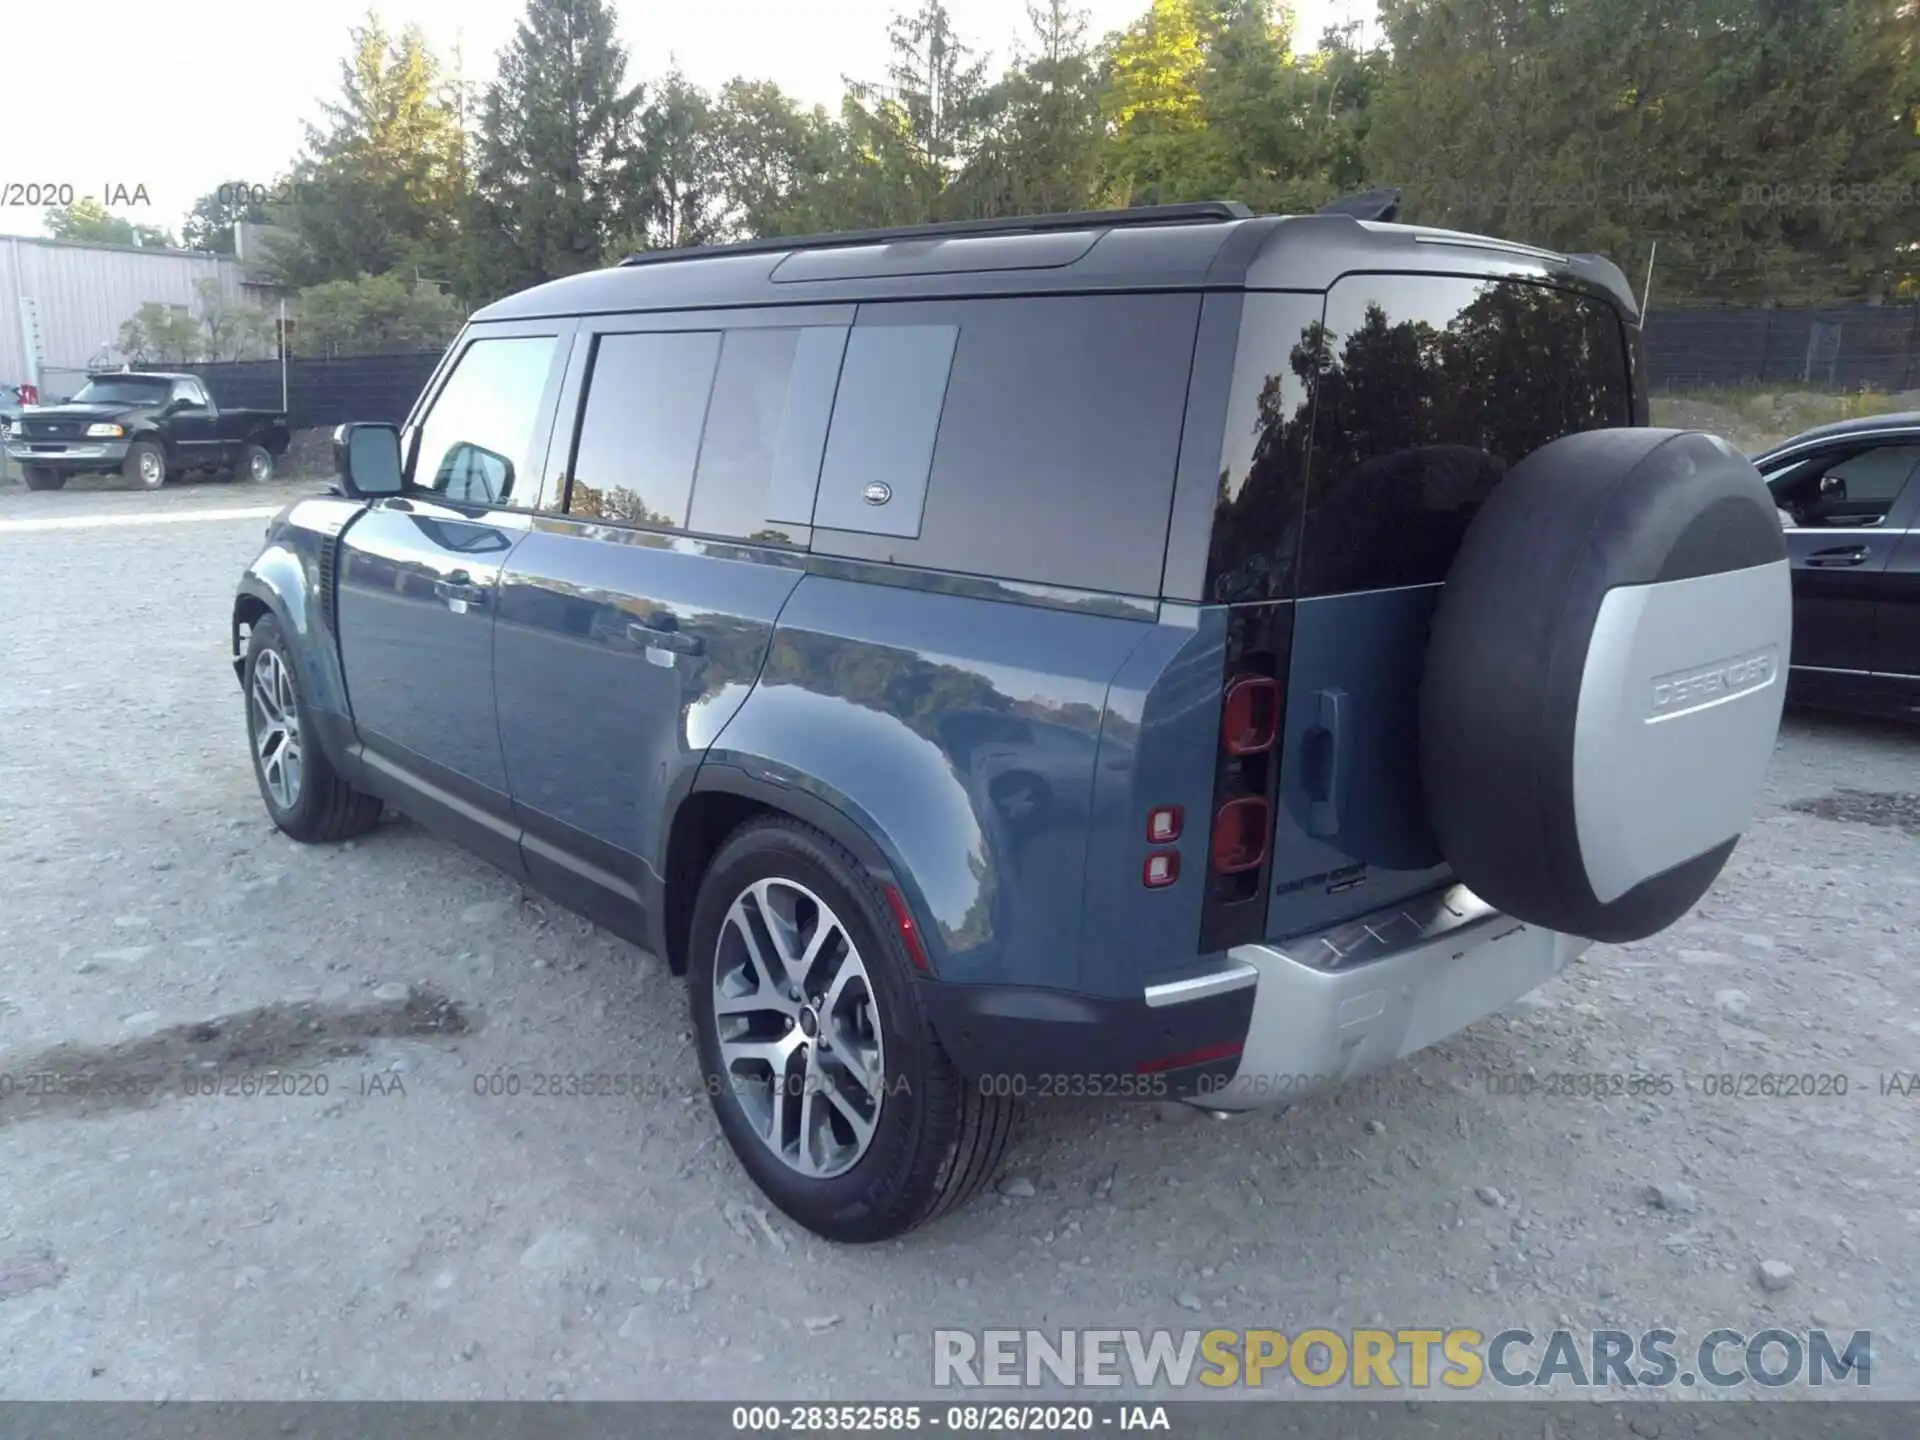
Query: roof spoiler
[[1380, 203]]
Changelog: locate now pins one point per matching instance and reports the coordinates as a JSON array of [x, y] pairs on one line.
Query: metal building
[[62, 302]]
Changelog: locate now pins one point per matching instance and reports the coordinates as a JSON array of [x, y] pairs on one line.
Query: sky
[[219, 93]]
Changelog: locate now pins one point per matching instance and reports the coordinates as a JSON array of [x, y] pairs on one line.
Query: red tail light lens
[[1250, 715], [1240, 832]]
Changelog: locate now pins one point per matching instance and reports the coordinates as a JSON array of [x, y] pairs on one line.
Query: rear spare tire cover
[[1604, 680]]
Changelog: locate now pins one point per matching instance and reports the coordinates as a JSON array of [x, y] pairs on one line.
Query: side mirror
[[367, 459]]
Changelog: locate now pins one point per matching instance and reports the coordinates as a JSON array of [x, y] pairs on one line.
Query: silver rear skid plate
[[1337, 1004]]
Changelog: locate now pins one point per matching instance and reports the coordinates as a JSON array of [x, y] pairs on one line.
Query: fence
[[321, 393], [1838, 348]]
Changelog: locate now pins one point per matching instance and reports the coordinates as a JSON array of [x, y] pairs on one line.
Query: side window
[[190, 391], [880, 449], [1429, 389], [475, 442], [640, 435], [766, 426], [1022, 439], [1846, 489]]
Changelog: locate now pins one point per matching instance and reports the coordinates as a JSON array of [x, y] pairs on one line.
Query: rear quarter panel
[[962, 735]]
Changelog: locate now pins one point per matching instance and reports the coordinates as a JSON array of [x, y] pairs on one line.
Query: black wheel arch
[[718, 800]]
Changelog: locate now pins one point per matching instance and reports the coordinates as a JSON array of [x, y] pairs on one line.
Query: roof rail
[[1198, 211]]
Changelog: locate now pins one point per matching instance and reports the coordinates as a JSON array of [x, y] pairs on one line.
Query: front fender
[[289, 577]]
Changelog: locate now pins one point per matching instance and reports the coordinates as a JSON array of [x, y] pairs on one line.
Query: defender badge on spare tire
[[1604, 680]]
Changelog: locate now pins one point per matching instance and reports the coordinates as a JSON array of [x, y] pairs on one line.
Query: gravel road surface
[[396, 1229]]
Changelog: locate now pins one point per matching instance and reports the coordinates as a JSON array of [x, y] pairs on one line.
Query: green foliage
[[374, 314], [560, 180], [160, 335], [87, 220], [209, 225], [1040, 147], [1768, 146], [382, 182], [229, 329], [222, 329]]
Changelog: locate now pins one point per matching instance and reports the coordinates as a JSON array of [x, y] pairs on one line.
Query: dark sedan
[[1849, 499]]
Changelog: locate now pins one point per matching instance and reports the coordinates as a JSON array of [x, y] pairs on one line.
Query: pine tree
[[1040, 150], [380, 185], [559, 176]]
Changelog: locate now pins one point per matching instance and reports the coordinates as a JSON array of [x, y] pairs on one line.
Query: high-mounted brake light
[[1250, 715]]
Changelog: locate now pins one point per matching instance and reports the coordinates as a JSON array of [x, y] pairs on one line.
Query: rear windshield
[[1428, 389], [122, 390]]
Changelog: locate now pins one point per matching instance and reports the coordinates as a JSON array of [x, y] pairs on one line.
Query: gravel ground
[[402, 1236]]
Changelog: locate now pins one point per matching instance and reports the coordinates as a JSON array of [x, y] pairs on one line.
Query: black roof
[[1208, 247], [140, 375], [1899, 421]]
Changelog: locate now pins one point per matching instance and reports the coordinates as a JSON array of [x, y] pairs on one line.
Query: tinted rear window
[[1421, 392]]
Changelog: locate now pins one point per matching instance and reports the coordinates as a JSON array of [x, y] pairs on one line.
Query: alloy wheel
[[259, 466], [151, 471], [798, 1027], [276, 728]]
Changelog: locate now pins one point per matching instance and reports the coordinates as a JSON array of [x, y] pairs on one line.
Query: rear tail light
[[1241, 829], [1164, 824], [1250, 715], [1161, 870], [1246, 775]]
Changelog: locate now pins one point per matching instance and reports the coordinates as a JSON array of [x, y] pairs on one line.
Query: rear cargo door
[[1429, 387]]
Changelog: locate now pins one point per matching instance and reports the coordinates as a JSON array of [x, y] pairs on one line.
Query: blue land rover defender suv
[[1171, 652]]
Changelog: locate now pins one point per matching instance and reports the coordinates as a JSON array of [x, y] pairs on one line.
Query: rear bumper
[[1333, 1006], [1021, 1041], [1267, 1024]]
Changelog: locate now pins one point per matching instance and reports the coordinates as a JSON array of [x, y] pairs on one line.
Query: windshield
[[122, 390]]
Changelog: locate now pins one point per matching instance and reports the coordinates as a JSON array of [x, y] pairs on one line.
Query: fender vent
[[329, 547]]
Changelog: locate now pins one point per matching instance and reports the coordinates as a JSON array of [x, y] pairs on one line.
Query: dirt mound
[[309, 454]]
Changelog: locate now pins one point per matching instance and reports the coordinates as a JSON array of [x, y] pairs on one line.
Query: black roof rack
[[1199, 210]]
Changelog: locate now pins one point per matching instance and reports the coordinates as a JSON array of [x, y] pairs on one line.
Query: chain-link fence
[[1874, 347]]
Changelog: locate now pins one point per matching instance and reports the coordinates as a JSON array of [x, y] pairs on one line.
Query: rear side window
[[1049, 456], [1429, 389], [766, 424], [640, 435]]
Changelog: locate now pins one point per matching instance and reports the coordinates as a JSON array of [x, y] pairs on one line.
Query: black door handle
[[1329, 756], [657, 634], [1838, 556]]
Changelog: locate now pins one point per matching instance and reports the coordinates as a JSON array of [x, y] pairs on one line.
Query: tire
[[307, 799], [255, 465], [1604, 679], [39, 477], [145, 466], [933, 1139]]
